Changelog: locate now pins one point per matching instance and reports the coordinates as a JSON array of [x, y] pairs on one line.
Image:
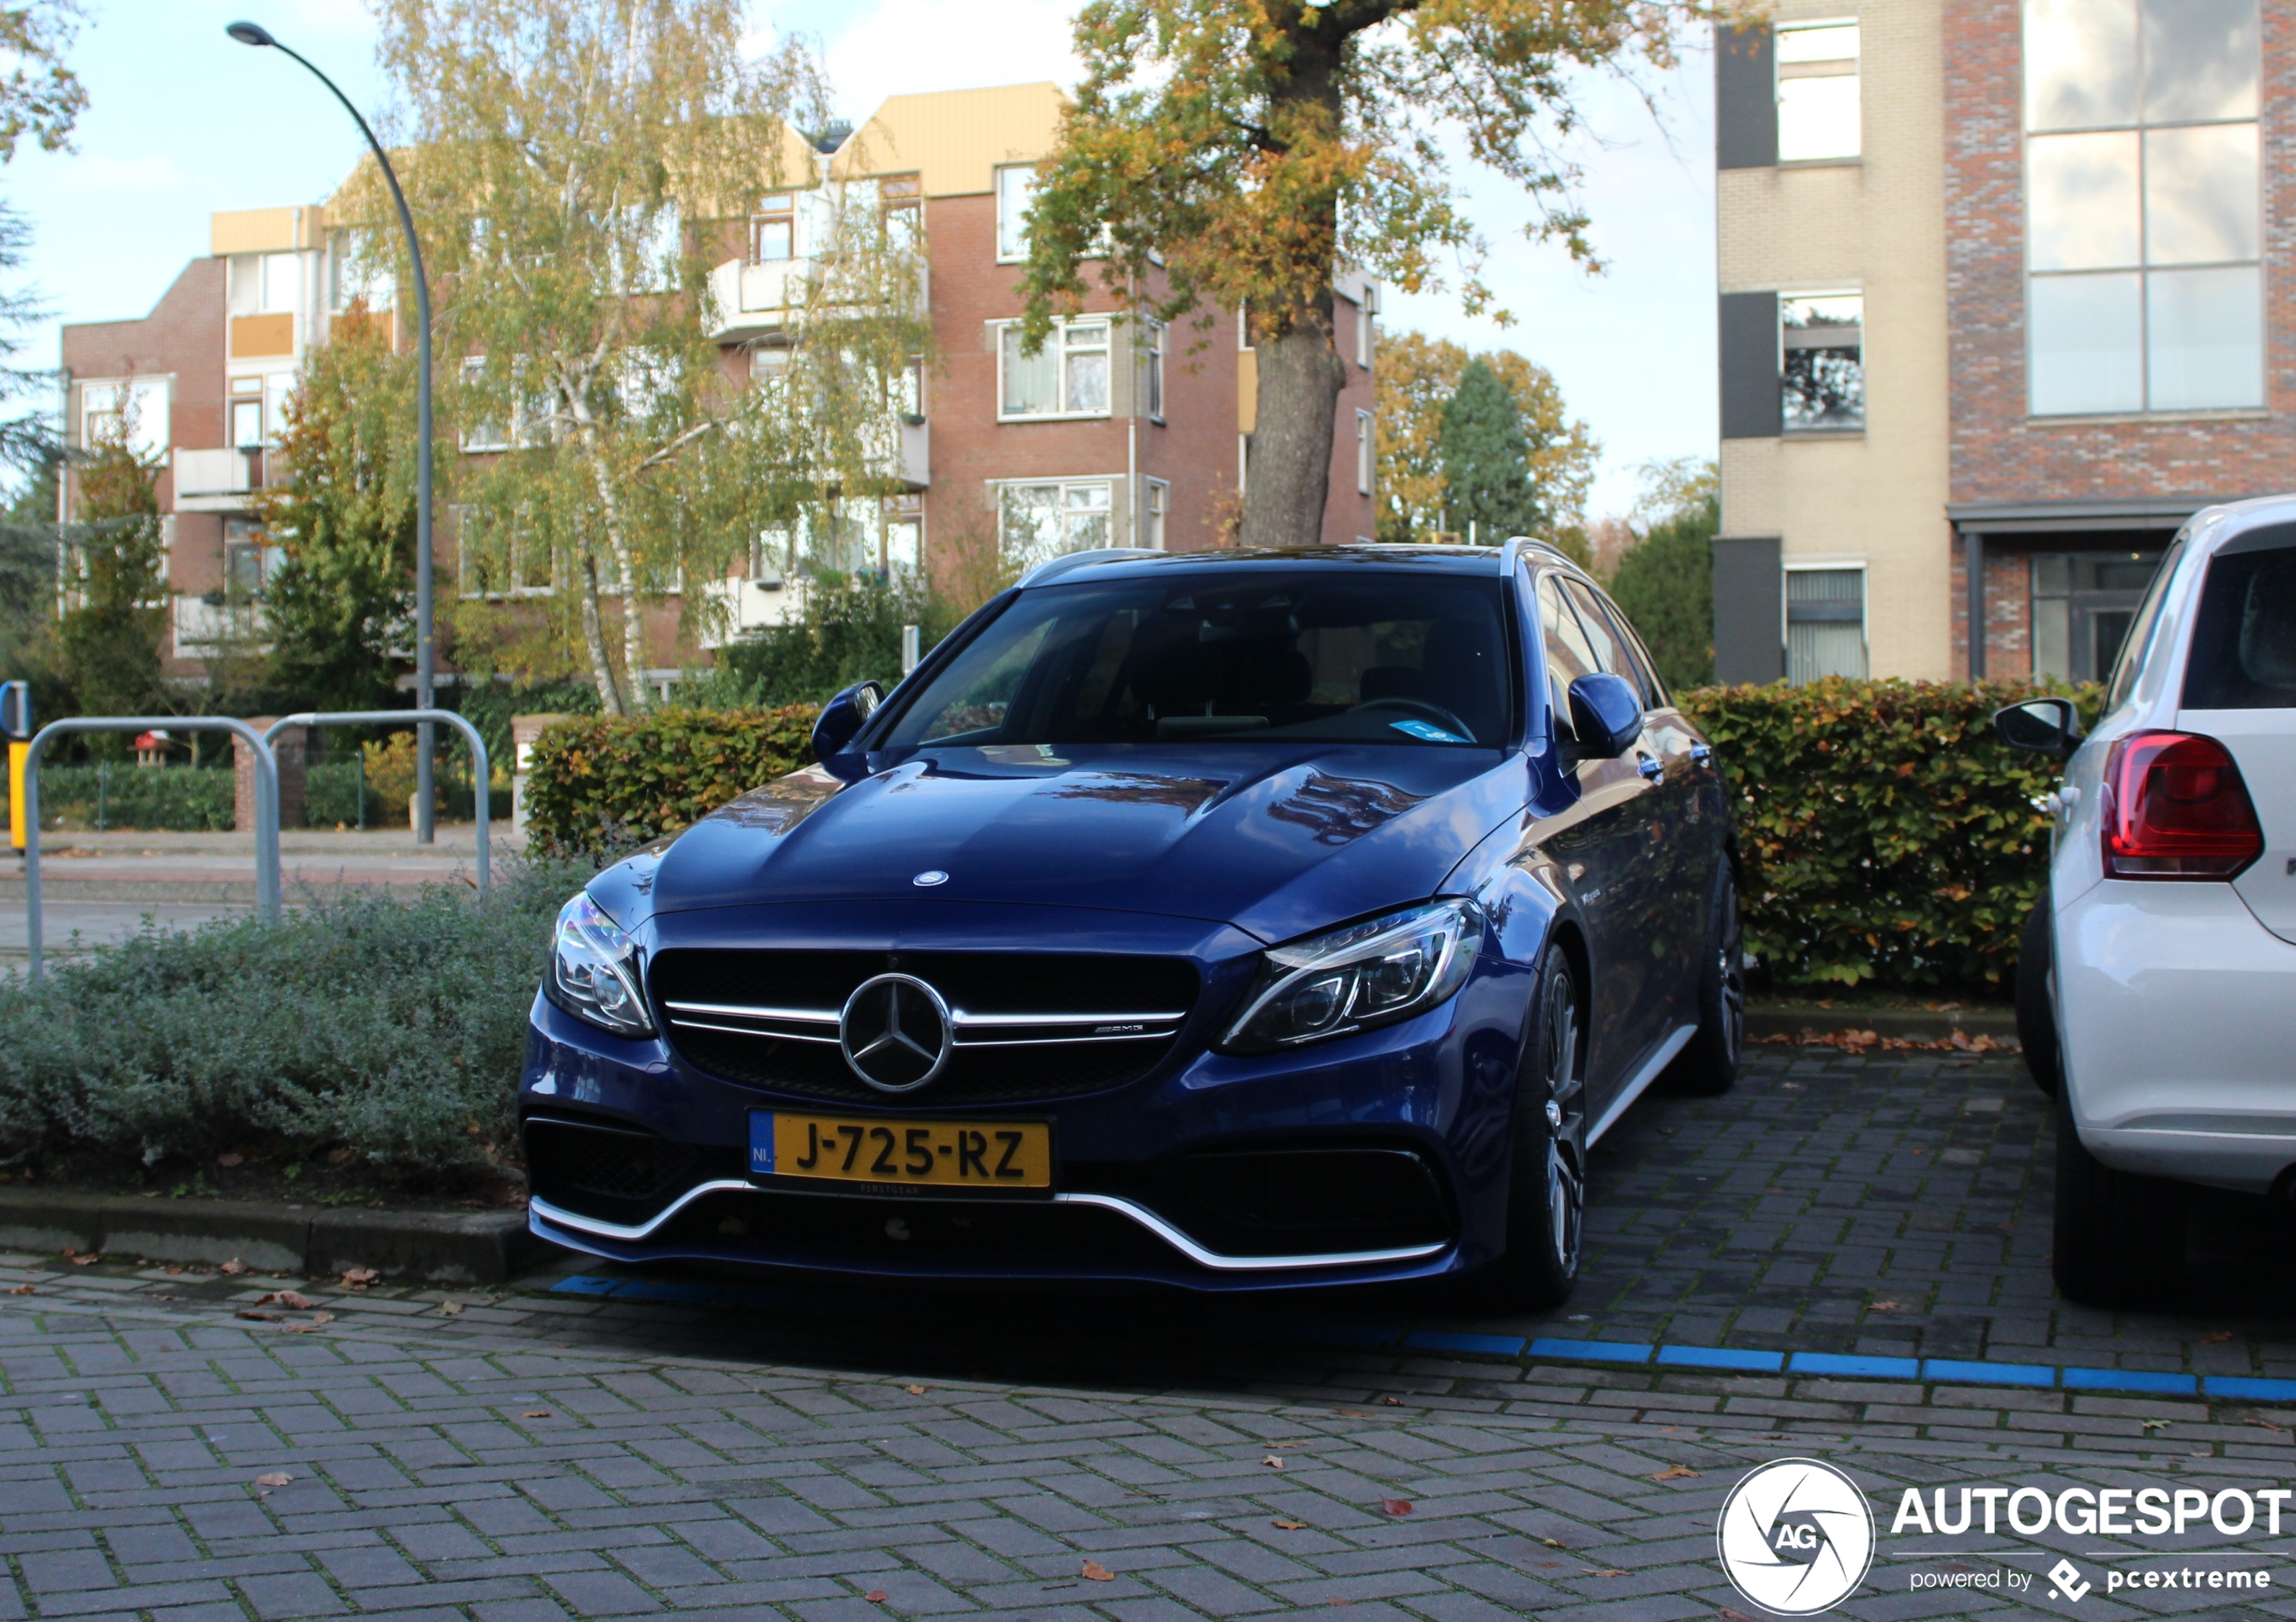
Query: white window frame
[[1363, 336], [1005, 253], [1057, 340], [1153, 381], [462, 516], [1155, 512], [1108, 481], [1821, 564], [155, 400], [1857, 76], [1365, 452]]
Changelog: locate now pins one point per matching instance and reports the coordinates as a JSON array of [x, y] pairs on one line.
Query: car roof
[[2212, 527], [1118, 563]]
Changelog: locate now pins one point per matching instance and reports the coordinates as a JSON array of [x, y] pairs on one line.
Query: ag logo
[[1795, 1537]]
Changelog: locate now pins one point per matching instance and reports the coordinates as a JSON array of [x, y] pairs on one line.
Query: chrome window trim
[[1212, 1259]]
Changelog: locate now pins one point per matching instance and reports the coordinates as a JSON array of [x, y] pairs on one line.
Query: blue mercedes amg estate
[[1231, 920]]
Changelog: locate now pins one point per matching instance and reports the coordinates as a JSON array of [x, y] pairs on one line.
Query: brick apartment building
[[1118, 433], [2005, 296]]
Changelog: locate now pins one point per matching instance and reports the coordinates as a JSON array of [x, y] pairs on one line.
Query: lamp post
[[250, 34]]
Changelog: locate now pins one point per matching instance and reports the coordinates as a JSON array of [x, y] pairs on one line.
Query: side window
[[1646, 670], [2134, 650], [1569, 656], [1609, 651]]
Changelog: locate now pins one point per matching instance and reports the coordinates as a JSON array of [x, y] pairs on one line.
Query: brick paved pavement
[[526, 1454]]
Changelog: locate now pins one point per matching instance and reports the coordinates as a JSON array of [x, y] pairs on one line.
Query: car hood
[[1278, 840]]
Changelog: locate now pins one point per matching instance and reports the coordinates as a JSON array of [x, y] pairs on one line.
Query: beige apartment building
[[1117, 433], [2002, 301]]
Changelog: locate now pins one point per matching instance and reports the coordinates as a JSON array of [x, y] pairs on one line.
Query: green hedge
[[1889, 839], [152, 799], [600, 781]]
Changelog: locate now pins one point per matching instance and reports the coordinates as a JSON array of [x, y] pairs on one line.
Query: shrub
[[163, 798], [1887, 836], [393, 1025], [601, 780], [850, 633]]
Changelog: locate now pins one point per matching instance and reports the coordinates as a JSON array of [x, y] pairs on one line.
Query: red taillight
[[2176, 808]]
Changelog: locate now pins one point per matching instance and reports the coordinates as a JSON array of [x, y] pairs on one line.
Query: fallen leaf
[[358, 1277], [235, 1267], [274, 1478], [1355, 1413], [536, 1413], [295, 1300], [1289, 1525], [1395, 1506], [1272, 1462], [317, 1321], [1094, 1572], [25, 1289], [2216, 1338], [1554, 1542], [2151, 1425], [260, 1317], [1675, 1473], [450, 1309], [1885, 1306], [2268, 1425], [228, 1160], [917, 1391], [1612, 1571], [877, 1595], [87, 1261], [1390, 1402]]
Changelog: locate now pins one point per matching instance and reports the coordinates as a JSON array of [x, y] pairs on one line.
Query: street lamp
[[251, 33]]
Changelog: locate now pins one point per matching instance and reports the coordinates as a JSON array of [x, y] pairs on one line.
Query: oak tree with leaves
[[1239, 152]]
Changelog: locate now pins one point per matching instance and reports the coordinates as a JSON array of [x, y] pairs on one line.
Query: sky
[[182, 121]]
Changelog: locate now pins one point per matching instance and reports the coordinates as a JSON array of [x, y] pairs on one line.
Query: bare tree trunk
[[1288, 462], [618, 541], [610, 696]]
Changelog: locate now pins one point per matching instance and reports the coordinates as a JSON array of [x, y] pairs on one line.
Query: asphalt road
[[594, 1443]]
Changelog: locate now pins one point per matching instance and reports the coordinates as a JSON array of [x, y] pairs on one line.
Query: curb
[[478, 1246], [1905, 1025]]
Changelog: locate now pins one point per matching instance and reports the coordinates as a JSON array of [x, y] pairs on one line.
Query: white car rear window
[[2243, 640]]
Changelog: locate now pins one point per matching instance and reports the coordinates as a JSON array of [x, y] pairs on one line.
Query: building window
[[767, 367], [1156, 503], [247, 413], [136, 408], [2083, 605], [1153, 377], [1016, 188], [1363, 453], [1825, 624], [1068, 377], [248, 560], [1363, 334], [358, 271], [496, 560], [2143, 205], [1817, 91], [1041, 520], [1822, 363], [773, 229]]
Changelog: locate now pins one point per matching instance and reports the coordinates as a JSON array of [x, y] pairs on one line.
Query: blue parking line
[[1591, 1351], [662, 1289], [2130, 1380], [1988, 1372], [1862, 1368], [585, 1284], [2241, 1385], [1721, 1357], [1443, 1340]]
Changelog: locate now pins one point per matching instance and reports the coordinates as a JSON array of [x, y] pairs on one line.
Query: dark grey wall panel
[[1749, 633], [1746, 98], [1751, 401]]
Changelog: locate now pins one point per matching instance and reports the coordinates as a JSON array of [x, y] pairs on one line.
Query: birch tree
[[1229, 153], [577, 167]]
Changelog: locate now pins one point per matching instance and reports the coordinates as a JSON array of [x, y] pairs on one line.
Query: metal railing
[[267, 806], [354, 718]]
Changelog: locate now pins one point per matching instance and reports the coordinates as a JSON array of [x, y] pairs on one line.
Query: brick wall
[[2008, 613], [1998, 454]]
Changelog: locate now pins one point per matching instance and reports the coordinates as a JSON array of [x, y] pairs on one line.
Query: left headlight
[[1365, 975], [594, 970]]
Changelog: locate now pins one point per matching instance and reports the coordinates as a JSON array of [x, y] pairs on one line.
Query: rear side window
[[2139, 642], [2243, 640]]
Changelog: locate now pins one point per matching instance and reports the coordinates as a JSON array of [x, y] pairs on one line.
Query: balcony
[[216, 481], [752, 605], [909, 459], [750, 301]]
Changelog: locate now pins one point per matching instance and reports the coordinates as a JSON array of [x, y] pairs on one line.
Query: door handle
[[1700, 754], [1648, 768]]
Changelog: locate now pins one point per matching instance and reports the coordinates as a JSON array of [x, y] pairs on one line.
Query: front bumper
[[1435, 1090], [2176, 1015]]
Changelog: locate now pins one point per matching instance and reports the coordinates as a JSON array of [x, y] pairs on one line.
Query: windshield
[[1412, 660]]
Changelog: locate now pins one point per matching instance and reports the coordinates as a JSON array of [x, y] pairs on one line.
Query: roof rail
[[1512, 553], [1053, 568]]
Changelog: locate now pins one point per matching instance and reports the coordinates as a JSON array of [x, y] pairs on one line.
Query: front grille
[[615, 1174], [768, 1019], [1017, 1236]]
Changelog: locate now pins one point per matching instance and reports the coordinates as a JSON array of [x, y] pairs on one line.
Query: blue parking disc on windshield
[[1426, 731]]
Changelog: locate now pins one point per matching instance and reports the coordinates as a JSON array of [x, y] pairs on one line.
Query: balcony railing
[[751, 301]]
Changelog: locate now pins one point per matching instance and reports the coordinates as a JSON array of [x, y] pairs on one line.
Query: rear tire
[[2036, 1008], [2119, 1237], [1546, 1174], [1709, 1066]]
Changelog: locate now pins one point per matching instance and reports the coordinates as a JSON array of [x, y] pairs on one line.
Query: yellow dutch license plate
[[976, 1154]]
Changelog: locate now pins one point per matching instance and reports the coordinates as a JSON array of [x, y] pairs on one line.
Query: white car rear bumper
[[2176, 1014]]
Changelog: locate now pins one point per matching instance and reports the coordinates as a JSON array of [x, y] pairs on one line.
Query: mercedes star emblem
[[930, 877], [896, 1033]]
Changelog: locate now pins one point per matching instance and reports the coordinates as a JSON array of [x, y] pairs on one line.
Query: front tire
[[2035, 1008], [2119, 1237], [1547, 1174], [1709, 1066]]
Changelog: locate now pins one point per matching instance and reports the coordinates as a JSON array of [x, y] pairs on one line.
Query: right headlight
[[594, 972], [1366, 974]]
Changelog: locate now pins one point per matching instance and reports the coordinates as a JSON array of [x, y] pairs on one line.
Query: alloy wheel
[[1565, 1121]]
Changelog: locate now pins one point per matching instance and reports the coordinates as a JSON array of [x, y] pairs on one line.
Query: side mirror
[[2048, 726], [841, 717], [1606, 713]]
